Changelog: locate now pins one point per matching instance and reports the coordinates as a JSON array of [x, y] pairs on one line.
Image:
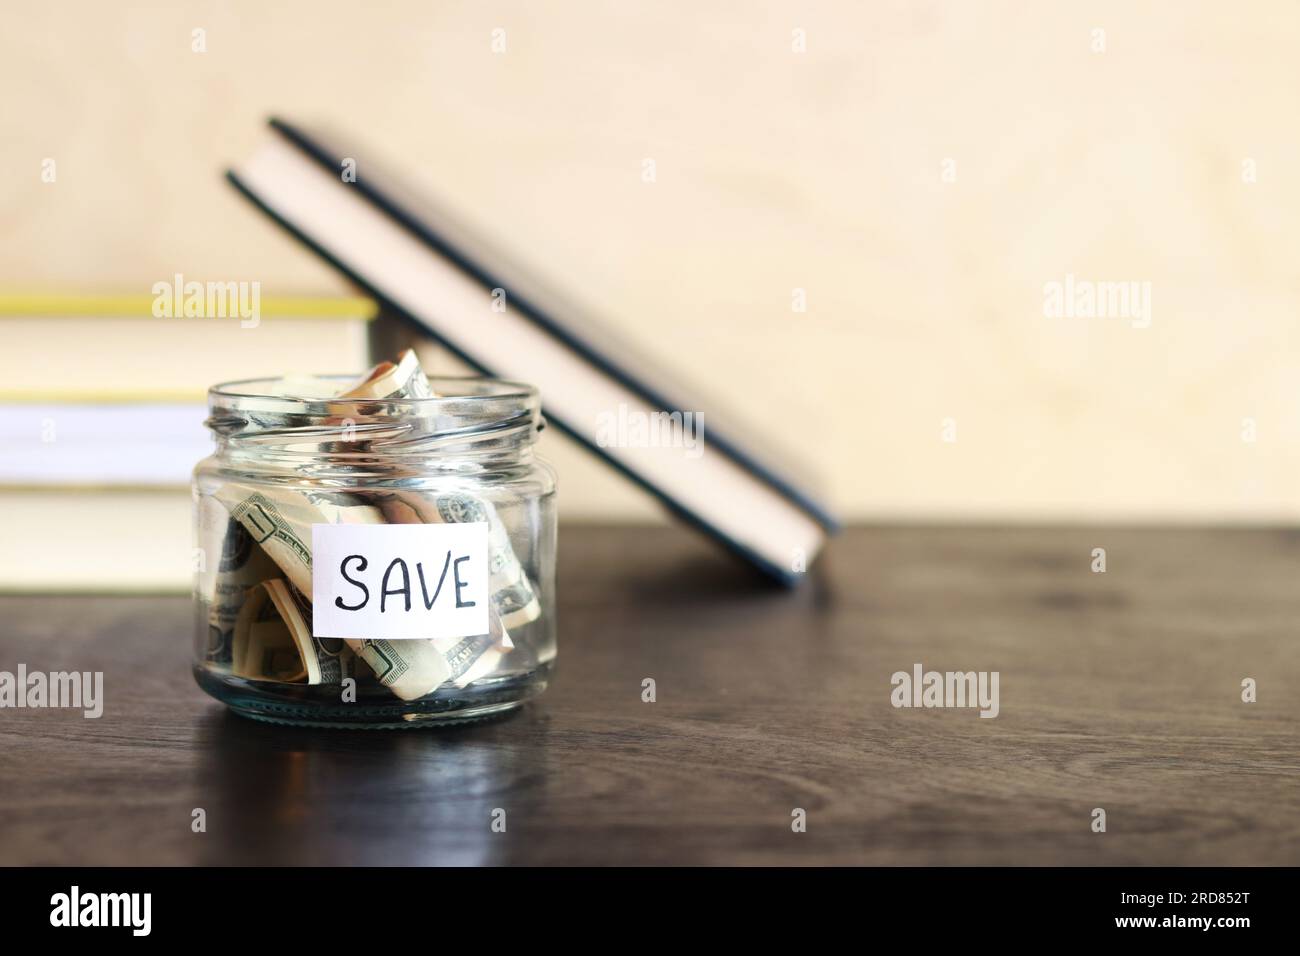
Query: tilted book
[[422, 266]]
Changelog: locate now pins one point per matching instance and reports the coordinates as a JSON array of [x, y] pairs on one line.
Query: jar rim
[[487, 389], [465, 411]]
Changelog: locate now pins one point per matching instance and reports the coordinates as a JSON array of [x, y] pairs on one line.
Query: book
[[102, 410], [104, 540], [422, 266], [121, 345], [109, 442]]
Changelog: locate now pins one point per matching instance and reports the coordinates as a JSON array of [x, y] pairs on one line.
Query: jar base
[[480, 701], [411, 722]]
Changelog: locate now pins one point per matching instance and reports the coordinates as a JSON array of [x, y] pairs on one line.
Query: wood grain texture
[[1118, 690]]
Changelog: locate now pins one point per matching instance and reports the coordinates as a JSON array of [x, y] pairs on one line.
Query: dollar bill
[[512, 592], [243, 565], [392, 380], [273, 640], [410, 669], [465, 659], [470, 658], [263, 647]]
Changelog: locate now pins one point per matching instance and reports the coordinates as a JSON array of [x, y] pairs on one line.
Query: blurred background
[[854, 215]]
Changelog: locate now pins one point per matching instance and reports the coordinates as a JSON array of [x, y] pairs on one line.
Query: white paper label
[[399, 581]]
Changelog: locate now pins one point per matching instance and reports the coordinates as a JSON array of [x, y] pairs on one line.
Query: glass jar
[[374, 562]]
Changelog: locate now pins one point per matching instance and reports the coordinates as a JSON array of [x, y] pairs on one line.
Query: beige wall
[[775, 170]]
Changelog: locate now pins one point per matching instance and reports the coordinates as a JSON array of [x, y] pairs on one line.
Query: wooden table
[[1119, 690]]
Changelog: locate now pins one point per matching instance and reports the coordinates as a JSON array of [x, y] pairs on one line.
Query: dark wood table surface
[[1119, 690]]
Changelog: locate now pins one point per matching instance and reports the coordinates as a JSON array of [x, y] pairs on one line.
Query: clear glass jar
[[286, 467]]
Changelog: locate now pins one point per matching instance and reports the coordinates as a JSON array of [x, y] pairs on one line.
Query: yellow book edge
[[71, 396], [74, 306]]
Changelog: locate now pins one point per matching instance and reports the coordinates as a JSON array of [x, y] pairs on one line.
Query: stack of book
[[102, 406]]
